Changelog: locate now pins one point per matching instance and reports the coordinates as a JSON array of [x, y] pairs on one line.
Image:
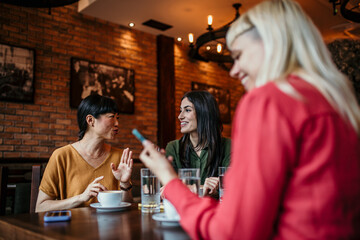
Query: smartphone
[[57, 216], [138, 135]]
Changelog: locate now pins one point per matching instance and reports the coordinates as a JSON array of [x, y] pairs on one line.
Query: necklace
[[92, 156]]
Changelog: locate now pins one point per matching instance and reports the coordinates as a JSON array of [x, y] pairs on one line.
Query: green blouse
[[172, 149]]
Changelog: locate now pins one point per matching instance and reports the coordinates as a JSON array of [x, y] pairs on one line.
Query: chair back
[[3, 188], [35, 183]]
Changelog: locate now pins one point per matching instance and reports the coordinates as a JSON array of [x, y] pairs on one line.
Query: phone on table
[[57, 216]]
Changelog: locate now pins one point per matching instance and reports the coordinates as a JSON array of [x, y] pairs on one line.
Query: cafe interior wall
[[34, 130]]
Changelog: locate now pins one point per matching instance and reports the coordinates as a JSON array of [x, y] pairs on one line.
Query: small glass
[[150, 192], [222, 171], [191, 178]]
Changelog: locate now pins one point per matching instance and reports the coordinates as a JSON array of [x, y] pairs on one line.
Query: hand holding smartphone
[[57, 216], [141, 138], [138, 135]]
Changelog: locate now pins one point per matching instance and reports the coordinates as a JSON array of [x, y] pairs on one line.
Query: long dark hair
[[94, 105], [209, 128]]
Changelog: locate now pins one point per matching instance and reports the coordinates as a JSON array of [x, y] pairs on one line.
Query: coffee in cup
[[111, 198]]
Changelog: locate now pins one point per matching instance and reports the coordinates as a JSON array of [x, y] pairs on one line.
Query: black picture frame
[[17, 73], [222, 97], [89, 77]]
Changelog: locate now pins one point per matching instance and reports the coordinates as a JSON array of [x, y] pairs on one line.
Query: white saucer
[[161, 217], [99, 208]]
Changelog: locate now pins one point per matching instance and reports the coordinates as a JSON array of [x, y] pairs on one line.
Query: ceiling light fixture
[[131, 24], [211, 46], [349, 9]]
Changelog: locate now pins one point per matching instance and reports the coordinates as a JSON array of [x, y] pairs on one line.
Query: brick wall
[[35, 130]]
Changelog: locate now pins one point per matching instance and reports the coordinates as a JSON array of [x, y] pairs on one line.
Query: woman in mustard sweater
[[77, 172]]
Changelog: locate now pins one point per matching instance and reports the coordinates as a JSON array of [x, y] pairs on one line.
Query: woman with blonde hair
[[295, 162]]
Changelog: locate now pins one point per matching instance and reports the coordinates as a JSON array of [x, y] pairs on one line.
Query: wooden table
[[87, 223]]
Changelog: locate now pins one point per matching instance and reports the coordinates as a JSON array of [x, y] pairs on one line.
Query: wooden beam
[[166, 90]]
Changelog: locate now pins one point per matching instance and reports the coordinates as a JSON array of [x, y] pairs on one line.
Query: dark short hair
[[94, 105]]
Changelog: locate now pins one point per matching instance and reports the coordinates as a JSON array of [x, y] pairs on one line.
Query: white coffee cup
[[111, 198], [170, 210]]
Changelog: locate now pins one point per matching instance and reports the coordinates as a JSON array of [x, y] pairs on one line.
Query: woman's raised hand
[[123, 172], [210, 186], [93, 189]]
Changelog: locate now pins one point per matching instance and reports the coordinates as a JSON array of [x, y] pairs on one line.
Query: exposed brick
[[13, 117], [63, 121], [24, 112], [23, 148], [30, 142], [31, 119], [40, 149], [6, 148], [56, 137], [13, 129], [40, 137], [40, 125], [30, 154], [23, 124], [31, 130], [14, 105], [12, 141], [11, 154], [6, 123], [65, 34]]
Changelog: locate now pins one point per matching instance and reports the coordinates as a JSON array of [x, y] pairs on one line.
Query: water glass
[[150, 191], [222, 171], [191, 178]]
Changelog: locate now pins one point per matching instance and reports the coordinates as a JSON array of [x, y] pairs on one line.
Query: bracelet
[[128, 188]]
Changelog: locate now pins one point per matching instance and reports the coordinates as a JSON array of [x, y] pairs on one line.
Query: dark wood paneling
[[166, 90]]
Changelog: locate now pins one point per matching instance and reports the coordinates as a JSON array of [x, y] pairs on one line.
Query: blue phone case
[[138, 135], [57, 216]]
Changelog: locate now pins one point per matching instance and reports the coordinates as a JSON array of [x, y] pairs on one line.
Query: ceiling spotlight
[[208, 48], [131, 24], [179, 39]]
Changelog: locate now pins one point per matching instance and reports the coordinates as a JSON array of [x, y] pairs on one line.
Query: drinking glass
[[222, 171], [150, 191], [191, 178]]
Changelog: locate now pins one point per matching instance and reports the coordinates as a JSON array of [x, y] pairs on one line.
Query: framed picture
[[222, 97], [16, 73], [89, 77]]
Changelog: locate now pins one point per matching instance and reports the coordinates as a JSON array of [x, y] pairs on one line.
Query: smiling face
[[248, 53], [106, 125], [187, 117]]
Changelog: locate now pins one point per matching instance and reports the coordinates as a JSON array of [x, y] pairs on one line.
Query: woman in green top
[[202, 145]]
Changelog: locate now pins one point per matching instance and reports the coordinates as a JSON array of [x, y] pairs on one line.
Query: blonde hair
[[293, 44]]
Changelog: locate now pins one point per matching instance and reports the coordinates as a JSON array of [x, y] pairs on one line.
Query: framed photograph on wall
[[16, 73], [89, 77], [222, 97]]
